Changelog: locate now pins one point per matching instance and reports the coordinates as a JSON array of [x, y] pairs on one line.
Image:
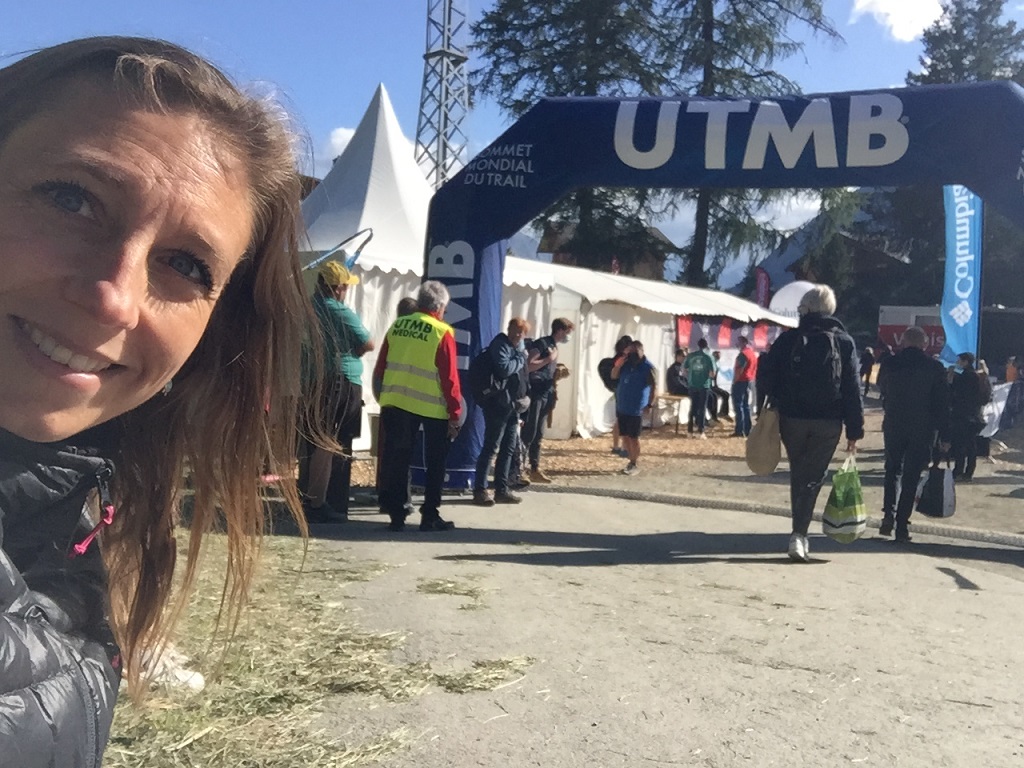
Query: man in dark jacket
[[811, 375], [540, 364], [501, 414], [915, 398], [966, 419]]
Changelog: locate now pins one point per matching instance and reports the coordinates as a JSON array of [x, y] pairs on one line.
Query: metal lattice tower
[[444, 100]]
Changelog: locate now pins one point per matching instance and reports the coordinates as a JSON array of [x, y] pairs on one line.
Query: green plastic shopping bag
[[845, 518]]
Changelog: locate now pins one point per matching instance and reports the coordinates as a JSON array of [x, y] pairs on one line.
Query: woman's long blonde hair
[[234, 406]]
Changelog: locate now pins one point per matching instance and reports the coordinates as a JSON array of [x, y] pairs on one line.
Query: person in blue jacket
[[152, 315], [635, 395]]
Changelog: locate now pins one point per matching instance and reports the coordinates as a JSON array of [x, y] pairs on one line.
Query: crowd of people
[[151, 207]]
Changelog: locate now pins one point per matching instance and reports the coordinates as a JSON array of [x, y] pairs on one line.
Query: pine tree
[[729, 49], [970, 42], [535, 48], [538, 48]]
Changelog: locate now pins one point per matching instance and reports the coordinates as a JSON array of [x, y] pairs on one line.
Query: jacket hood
[[43, 485], [815, 322]]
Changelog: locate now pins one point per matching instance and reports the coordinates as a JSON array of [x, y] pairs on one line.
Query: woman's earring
[[167, 387]]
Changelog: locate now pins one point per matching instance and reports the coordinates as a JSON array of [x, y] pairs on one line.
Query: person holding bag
[[812, 376], [915, 400]]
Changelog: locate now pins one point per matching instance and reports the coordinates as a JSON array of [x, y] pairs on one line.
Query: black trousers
[[344, 407], [810, 445], [403, 429], [534, 424], [964, 447], [906, 457]]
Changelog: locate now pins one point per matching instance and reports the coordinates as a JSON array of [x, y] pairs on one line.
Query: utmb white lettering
[[871, 115], [455, 261]]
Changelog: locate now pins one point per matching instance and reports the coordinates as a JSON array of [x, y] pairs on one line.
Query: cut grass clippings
[[453, 587], [293, 650]]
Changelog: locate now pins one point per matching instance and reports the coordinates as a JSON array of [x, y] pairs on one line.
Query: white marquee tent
[[376, 183]]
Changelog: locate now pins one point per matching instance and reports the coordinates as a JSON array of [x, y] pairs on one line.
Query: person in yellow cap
[[346, 340]]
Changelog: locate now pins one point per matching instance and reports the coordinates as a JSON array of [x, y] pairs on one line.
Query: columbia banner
[[961, 295], [889, 137]]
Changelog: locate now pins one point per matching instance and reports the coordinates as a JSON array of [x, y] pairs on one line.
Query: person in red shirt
[[743, 374]]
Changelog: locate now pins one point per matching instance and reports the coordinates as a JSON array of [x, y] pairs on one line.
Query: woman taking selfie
[[150, 299]]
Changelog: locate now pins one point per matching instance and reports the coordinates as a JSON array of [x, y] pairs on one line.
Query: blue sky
[[326, 57]]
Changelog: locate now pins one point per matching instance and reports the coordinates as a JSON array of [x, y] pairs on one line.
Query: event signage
[[961, 295], [889, 137]]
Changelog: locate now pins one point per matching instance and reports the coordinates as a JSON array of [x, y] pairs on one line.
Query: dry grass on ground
[[294, 649]]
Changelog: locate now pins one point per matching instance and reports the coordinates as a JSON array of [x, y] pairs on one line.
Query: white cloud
[[904, 19], [334, 146]]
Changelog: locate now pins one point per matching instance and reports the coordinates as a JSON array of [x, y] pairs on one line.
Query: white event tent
[[376, 183]]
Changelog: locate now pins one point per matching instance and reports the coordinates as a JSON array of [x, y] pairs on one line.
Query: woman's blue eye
[[69, 197], [190, 267]]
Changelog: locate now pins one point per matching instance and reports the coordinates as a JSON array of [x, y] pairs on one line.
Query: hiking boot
[[436, 524], [798, 548], [522, 482], [885, 529], [483, 498], [507, 498], [536, 476]]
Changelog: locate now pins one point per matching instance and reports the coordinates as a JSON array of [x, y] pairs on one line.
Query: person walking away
[[915, 400], [635, 395], [700, 367], [744, 372], [345, 340], [966, 419], [604, 370], [811, 376], [867, 365], [540, 364], [417, 385], [507, 353]]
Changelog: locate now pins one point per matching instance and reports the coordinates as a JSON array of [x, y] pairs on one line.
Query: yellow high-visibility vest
[[411, 381]]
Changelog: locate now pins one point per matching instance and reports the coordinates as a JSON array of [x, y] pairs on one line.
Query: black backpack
[[815, 373], [484, 386], [604, 370]]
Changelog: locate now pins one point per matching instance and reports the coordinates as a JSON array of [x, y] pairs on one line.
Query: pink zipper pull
[[107, 517]]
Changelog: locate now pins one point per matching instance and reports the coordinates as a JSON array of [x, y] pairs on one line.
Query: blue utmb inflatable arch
[[968, 134]]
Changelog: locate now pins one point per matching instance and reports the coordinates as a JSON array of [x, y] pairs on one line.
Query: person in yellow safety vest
[[416, 383]]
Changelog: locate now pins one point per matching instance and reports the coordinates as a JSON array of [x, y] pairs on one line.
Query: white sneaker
[[702, 436], [807, 548], [798, 548]]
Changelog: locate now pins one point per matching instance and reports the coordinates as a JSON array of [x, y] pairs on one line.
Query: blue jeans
[[741, 405], [500, 428]]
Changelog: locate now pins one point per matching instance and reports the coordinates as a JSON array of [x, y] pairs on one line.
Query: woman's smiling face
[[119, 228]]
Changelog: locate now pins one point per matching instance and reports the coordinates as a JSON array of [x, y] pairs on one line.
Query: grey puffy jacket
[[59, 665]]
